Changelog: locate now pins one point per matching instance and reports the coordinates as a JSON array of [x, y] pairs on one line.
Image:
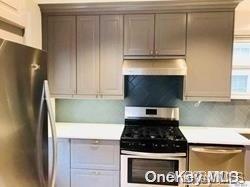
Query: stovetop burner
[[156, 130], [152, 133]]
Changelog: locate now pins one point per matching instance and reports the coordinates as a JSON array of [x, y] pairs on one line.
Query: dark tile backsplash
[[158, 91], [161, 91]]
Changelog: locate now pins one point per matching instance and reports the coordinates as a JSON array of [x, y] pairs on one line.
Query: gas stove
[[151, 141], [153, 130]]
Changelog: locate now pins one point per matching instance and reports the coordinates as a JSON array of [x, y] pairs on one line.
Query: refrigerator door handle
[[39, 141], [53, 134]]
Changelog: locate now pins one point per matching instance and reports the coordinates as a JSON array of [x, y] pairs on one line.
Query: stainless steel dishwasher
[[216, 158]]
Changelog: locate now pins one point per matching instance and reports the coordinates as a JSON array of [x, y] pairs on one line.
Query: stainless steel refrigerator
[[24, 110]]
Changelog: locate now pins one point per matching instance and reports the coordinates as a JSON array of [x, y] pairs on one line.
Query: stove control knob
[[163, 145], [155, 145], [142, 144], [177, 146], [129, 144]]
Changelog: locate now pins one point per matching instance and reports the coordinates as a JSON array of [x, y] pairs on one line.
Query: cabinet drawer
[[95, 154], [94, 178]]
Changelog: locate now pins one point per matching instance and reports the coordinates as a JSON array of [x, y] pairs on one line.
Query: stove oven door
[[150, 169]]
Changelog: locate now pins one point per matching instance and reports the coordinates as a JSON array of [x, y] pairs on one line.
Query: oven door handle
[[157, 155]]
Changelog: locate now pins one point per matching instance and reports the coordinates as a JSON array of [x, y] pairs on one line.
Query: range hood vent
[[155, 67]]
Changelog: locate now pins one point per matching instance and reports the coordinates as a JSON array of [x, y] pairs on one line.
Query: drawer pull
[[96, 142], [96, 173]]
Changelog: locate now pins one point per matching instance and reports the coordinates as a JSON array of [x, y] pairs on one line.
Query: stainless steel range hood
[[155, 67]]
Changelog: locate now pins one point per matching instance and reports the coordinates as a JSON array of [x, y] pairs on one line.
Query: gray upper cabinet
[[61, 54], [155, 35], [170, 34], [87, 55], [209, 56], [139, 34], [111, 55]]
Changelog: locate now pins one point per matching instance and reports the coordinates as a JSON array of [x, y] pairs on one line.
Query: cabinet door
[[111, 58], [170, 34], [63, 162], [209, 56], [94, 178], [62, 54], [139, 34], [88, 55]]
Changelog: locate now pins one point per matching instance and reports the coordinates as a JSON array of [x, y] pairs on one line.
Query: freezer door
[[23, 117]]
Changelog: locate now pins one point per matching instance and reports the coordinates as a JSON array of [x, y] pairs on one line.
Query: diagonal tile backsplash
[[153, 90]]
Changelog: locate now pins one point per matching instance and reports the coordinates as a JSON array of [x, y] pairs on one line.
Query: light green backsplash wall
[[231, 114], [89, 111]]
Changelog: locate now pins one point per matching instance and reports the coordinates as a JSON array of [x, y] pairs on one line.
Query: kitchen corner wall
[[155, 91]]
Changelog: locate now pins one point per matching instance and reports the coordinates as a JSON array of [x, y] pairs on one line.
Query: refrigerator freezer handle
[[53, 134]]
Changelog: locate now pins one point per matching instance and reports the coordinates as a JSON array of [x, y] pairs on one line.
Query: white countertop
[[89, 131], [214, 135], [199, 135]]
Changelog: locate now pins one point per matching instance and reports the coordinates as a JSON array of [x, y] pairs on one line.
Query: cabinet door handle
[[96, 172], [212, 150], [96, 142]]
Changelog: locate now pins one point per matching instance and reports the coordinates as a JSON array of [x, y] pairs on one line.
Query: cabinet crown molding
[[141, 6]]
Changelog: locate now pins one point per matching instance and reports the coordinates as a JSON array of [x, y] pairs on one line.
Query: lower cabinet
[[95, 163], [94, 178], [63, 162], [87, 163], [95, 154]]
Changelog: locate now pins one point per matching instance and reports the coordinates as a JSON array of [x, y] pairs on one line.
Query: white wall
[[242, 18], [33, 31], [27, 16]]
